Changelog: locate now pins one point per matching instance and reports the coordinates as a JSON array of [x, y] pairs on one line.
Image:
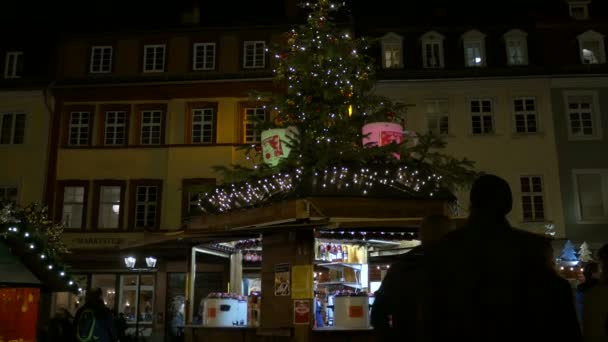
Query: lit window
[[392, 51], [532, 198], [13, 67], [101, 59], [591, 45], [432, 50], [109, 207], [254, 54], [474, 49], [204, 56], [154, 58], [73, 205], [517, 47], [12, 128]]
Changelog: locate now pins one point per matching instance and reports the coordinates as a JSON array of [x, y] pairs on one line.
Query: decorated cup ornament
[[379, 134], [276, 144]]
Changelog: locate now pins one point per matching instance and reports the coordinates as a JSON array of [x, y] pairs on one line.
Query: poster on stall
[[301, 282], [301, 312], [282, 279]]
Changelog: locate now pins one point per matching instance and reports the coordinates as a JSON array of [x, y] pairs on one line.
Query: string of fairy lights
[[257, 192]]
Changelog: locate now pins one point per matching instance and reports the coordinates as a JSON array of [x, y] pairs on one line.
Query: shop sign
[[301, 312], [282, 279]]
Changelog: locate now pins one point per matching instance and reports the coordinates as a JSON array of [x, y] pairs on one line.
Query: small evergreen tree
[[584, 253], [568, 252]]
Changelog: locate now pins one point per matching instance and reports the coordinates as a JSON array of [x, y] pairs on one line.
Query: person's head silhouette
[[491, 197]]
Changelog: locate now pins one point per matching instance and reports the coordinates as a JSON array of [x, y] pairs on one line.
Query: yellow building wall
[[24, 165], [504, 153]]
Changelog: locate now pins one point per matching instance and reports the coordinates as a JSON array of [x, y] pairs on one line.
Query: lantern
[[275, 144], [378, 134]]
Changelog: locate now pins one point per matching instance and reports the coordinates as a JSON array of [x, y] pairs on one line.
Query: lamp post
[[130, 263]]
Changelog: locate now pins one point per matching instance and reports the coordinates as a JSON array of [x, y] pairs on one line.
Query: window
[[202, 125], [80, 129], [582, 115], [254, 54], [101, 59], [516, 47], [8, 194], [532, 200], [192, 189], [12, 128], [73, 202], [151, 127], [482, 116], [432, 50], [591, 188], [437, 116], [524, 109], [474, 49], [579, 10], [392, 54], [154, 58], [108, 204], [252, 117], [13, 66], [136, 297], [146, 201], [107, 284], [204, 56], [591, 45], [115, 128]]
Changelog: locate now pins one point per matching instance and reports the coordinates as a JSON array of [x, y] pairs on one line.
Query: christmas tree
[[568, 253], [584, 253], [328, 79]]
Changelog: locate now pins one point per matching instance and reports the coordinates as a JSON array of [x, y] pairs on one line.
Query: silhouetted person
[[595, 307], [94, 322], [121, 327], [591, 275], [396, 306], [490, 282]]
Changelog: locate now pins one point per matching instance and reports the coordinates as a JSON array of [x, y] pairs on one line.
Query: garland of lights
[[15, 229]]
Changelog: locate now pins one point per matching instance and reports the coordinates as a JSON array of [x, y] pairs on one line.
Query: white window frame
[[255, 137], [82, 204], [11, 138], [474, 37], [256, 58], [10, 69], [147, 203], [522, 38], [438, 115], [595, 115], [80, 128], [102, 49], [392, 40], [533, 195], [200, 112], [5, 188], [149, 139], [603, 173], [164, 54], [205, 52], [114, 125], [114, 205], [594, 37], [525, 112], [583, 4], [481, 115], [433, 38]]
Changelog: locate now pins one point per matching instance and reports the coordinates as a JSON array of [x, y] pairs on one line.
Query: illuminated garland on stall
[[17, 228]]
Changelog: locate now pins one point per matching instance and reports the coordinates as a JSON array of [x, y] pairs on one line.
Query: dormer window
[[579, 10], [517, 47], [474, 49], [392, 51], [591, 45], [432, 50]]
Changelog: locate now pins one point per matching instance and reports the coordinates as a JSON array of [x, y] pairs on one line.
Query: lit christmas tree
[[568, 254], [584, 253], [328, 79]]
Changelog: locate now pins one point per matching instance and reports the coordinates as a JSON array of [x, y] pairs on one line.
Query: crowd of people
[[488, 281]]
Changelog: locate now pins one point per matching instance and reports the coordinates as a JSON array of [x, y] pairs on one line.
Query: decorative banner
[[19, 314], [301, 312], [282, 279], [275, 144], [302, 282], [378, 134]]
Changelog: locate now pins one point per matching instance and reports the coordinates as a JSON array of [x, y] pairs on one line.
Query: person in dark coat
[[94, 321], [591, 274], [595, 307], [396, 306], [490, 282]]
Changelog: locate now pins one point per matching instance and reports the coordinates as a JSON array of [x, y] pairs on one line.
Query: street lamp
[[130, 263]]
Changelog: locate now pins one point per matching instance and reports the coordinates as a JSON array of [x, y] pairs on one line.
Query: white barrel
[[220, 312], [351, 312]]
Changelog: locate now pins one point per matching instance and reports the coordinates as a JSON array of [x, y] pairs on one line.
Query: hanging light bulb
[[350, 110]]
